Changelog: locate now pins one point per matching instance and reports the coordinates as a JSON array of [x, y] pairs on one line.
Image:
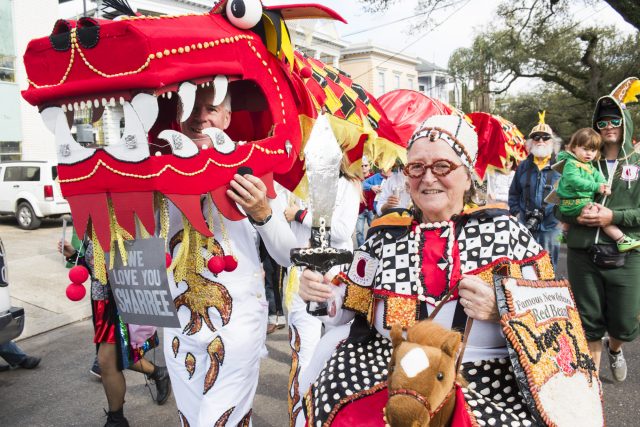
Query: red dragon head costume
[[149, 68]]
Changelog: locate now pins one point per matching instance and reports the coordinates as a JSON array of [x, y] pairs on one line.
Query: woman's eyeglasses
[[615, 123], [441, 167], [541, 137]]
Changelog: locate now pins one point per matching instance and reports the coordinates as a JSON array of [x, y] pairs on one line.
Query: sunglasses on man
[[541, 137], [615, 123]]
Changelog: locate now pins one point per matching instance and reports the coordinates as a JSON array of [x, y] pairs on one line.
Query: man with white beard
[[533, 181]]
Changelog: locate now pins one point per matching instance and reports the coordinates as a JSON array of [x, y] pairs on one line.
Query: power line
[[406, 18], [415, 41]]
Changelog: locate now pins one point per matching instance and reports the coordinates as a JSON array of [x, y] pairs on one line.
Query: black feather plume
[[111, 9]]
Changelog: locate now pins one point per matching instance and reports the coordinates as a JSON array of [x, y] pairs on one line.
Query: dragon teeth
[[187, 94], [221, 84]]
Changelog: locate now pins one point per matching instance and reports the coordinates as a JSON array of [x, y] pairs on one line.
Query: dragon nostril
[[88, 32], [60, 37]]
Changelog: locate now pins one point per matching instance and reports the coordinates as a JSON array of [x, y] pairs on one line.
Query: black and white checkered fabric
[[482, 241], [397, 263]]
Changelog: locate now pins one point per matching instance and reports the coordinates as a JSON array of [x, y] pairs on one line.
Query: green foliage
[[565, 114]]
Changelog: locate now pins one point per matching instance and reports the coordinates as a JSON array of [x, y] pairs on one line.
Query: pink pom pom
[[168, 259], [79, 274], [230, 263], [216, 264], [76, 291]]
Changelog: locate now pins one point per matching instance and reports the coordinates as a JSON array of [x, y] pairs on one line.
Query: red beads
[[79, 274], [76, 291], [230, 263], [216, 264]]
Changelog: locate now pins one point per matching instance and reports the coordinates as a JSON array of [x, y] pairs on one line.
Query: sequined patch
[[175, 346], [399, 310], [215, 349], [358, 299], [190, 364], [293, 397], [222, 421]]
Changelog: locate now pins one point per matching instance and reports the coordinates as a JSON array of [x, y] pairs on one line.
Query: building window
[[9, 150], [7, 68], [410, 84], [397, 78], [381, 87], [421, 88], [327, 59]]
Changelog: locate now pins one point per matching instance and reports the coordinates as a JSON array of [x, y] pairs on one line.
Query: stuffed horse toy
[[422, 376]]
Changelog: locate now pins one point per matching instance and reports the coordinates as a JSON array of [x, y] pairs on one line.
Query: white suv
[[11, 318], [29, 190]]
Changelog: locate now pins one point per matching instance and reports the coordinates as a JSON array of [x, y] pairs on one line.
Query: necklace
[[445, 263]]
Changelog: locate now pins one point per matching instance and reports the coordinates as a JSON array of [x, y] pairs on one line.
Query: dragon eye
[[244, 14]]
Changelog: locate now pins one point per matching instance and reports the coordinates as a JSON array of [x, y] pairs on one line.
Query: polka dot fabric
[[350, 374], [493, 397]]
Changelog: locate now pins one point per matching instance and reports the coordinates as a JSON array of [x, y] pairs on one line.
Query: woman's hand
[[250, 193], [478, 298], [66, 250], [290, 213], [314, 286]]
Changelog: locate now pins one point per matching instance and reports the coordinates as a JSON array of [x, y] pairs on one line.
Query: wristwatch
[[260, 223]]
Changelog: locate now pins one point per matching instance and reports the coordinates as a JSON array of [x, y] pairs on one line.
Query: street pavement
[[61, 392]]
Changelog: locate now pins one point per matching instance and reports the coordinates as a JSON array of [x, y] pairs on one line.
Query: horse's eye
[[440, 376]]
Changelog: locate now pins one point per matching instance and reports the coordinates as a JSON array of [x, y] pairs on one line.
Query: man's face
[[610, 134], [541, 145], [365, 168], [205, 115]]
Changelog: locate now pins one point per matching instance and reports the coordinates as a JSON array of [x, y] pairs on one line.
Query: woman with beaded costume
[[407, 267]]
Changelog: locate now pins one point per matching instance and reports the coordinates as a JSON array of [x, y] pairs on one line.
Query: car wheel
[[26, 217]]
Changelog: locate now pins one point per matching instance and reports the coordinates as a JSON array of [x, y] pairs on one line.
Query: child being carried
[[581, 181]]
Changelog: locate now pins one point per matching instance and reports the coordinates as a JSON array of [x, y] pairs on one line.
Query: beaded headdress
[[455, 131]]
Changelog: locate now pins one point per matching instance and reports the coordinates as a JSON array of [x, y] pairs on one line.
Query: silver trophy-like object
[[322, 157]]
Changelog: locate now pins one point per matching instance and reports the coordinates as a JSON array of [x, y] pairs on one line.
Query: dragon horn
[[627, 91]]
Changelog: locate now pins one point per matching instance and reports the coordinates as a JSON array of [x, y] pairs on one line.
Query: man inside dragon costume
[[194, 118]]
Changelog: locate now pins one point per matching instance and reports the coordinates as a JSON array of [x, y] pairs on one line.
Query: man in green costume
[[609, 298]]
